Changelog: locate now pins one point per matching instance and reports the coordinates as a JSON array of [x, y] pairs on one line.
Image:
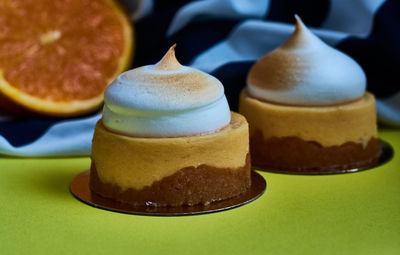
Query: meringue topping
[[165, 99], [306, 71]]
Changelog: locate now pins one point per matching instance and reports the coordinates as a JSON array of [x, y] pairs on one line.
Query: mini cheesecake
[[308, 110], [300, 138], [175, 171], [168, 138]]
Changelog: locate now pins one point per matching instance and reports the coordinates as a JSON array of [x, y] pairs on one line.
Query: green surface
[[355, 213]]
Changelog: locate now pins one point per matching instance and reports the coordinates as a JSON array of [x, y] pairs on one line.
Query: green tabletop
[[356, 213]]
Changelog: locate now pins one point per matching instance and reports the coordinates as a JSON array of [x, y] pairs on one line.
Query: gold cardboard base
[[387, 155], [80, 189]]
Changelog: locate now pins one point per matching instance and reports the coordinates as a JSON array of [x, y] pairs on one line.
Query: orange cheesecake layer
[[188, 186], [136, 163], [327, 125]]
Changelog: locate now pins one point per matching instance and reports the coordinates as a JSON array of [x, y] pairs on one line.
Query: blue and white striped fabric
[[224, 38]]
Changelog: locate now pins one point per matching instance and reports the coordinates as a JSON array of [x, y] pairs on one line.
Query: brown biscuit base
[[188, 186], [295, 154]]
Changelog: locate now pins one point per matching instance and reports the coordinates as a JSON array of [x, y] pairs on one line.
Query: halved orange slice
[[57, 57]]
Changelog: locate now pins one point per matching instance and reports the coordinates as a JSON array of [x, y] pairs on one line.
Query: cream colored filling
[[327, 125], [133, 162]]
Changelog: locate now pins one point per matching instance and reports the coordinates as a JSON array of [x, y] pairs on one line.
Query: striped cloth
[[224, 38]]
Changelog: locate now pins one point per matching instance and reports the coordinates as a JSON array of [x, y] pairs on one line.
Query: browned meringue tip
[[297, 37], [300, 27], [169, 61], [299, 22]]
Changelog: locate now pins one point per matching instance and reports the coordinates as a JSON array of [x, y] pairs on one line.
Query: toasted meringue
[[165, 99], [306, 71]]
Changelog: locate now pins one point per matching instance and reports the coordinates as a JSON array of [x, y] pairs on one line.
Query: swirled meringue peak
[[165, 100], [306, 71]]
